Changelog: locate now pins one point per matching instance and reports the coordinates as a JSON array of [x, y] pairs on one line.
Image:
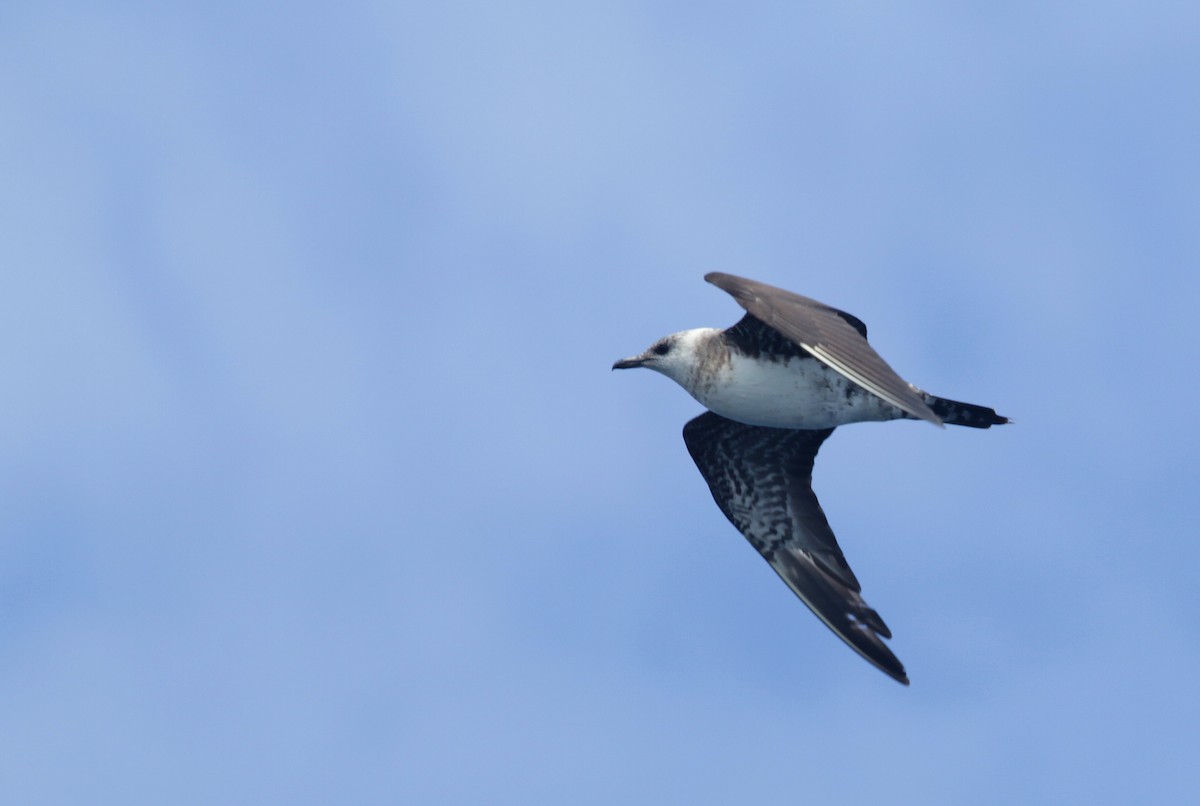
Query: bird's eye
[[662, 348]]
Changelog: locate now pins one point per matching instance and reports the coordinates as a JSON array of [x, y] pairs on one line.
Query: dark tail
[[954, 413]]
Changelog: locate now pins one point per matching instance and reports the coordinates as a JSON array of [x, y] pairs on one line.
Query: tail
[[954, 413]]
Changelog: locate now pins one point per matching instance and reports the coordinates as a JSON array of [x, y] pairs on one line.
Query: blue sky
[[315, 485]]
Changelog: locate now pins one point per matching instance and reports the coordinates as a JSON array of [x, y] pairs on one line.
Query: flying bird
[[776, 384]]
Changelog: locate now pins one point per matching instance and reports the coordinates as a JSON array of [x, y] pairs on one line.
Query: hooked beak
[[630, 363]]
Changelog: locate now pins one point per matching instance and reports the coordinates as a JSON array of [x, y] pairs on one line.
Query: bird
[[775, 385]]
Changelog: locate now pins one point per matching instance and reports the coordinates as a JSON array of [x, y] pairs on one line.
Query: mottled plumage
[[776, 385], [761, 479]]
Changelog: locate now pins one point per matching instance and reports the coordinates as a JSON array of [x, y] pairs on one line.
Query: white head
[[675, 356]]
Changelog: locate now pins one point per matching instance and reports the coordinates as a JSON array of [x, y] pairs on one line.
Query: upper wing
[[834, 337], [761, 478]]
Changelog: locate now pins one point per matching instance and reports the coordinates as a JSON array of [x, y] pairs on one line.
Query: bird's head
[[675, 356]]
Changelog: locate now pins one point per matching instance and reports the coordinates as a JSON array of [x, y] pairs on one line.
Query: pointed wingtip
[[722, 280], [894, 670], [920, 409], [926, 413]]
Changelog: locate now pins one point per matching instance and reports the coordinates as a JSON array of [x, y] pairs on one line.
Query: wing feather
[[761, 478], [833, 337]]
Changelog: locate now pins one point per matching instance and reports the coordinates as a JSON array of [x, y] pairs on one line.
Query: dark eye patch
[[662, 348]]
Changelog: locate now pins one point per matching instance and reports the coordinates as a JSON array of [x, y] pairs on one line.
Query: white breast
[[796, 393]]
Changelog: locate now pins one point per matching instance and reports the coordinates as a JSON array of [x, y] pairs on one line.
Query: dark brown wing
[[761, 478], [833, 337]]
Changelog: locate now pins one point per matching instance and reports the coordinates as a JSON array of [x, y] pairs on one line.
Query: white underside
[[798, 393]]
